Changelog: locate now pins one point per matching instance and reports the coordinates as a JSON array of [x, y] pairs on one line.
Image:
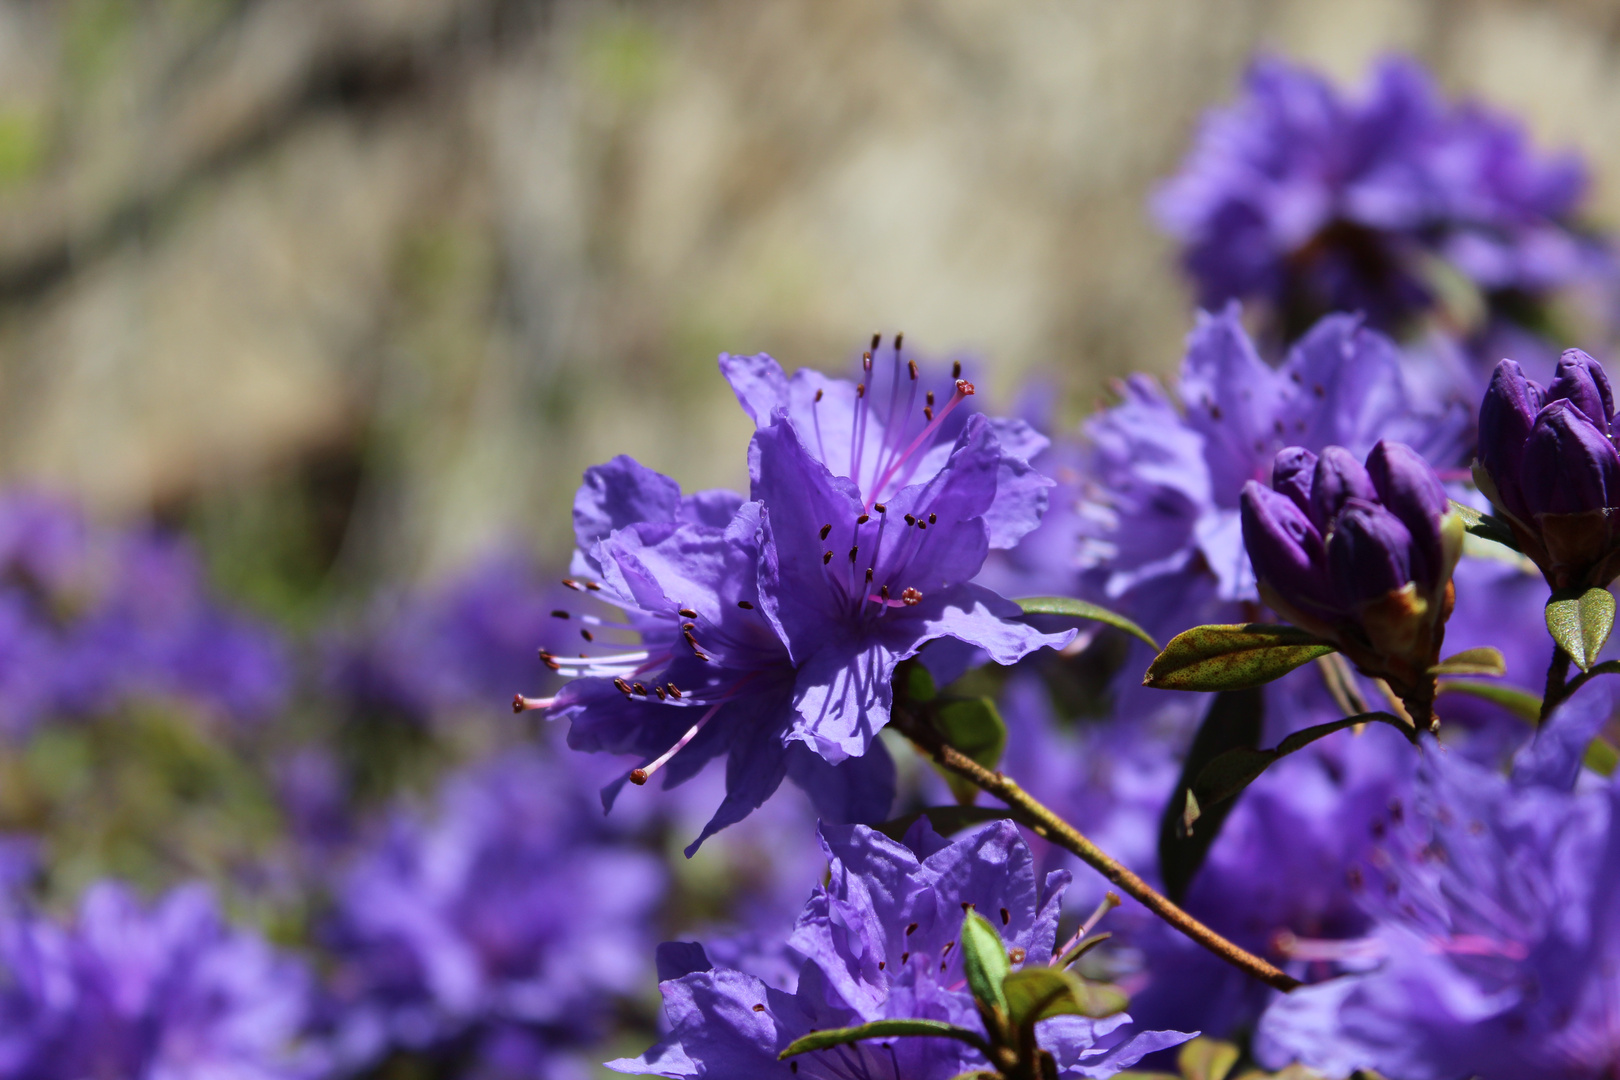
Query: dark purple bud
[[1411, 491], [1284, 547], [1291, 474], [1339, 477], [1582, 381], [1569, 465], [1370, 553], [1505, 418]]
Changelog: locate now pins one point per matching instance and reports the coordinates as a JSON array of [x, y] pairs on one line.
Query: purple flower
[[1311, 202], [1548, 463], [161, 991], [1360, 556], [1493, 951], [507, 917], [879, 941], [746, 613]]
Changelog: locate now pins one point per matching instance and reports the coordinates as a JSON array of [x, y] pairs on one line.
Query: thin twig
[[1608, 667], [1557, 689], [1044, 823]]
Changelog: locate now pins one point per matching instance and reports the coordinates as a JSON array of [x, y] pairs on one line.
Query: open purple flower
[[167, 990], [769, 630], [1311, 201], [510, 918], [1548, 463], [881, 941], [1493, 951]]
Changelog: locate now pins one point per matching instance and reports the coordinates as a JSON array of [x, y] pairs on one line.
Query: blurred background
[[351, 289], [343, 295]]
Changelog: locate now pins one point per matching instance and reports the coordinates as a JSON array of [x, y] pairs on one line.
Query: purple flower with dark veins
[[769, 631], [881, 941]]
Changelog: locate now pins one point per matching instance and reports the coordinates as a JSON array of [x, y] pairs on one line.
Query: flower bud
[[1285, 547], [1505, 418], [1582, 381], [1569, 466], [1291, 475], [1339, 478], [1370, 554], [1411, 491]]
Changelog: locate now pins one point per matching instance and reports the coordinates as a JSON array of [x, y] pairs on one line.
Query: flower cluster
[[778, 622], [882, 941], [1311, 201]]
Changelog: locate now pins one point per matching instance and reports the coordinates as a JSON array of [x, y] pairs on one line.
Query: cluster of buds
[[1547, 461], [1360, 556]]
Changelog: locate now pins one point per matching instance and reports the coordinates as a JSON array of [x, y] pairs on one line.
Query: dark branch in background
[[1047, 825], [345, 74]]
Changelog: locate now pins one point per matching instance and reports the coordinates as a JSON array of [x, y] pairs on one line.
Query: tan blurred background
[[389, 273]]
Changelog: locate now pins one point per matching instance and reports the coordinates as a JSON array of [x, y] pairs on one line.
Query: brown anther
[[860, 388], [674, 691], [1006, 917], [863, 519], [550, 662], [869, 575], [946, 951], [638, 776], [912, 929], [690, 640], [911, 598], [745, 605], [818, 395], [560, 614], [877, 339], [571, 583], [852, 553], [884, 592], [826, 530], [929, 400], [911, 366], [659, 690], [956, 369], [759, 1008], [880, 508], [928, 412], [932, 518], [898, 338], [910, 520], [586, 634], [517, 703], [700, 655], [826, 558], [882, 964], [1016, 954], [965, 388], [904, 957], [594, 586], [688, 626], [623, 686], [638, 688], [688, 613], [922, 525], [866, 361]]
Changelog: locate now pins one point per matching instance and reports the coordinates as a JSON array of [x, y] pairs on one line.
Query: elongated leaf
[[1079, 609], [946, 820], [1081, 947], [1036, 993], [1481, 661], [1232, 657], [1602, 756], [975, 727], [883, 1029], [1580, 622], [1207, 1059], [1521, 703], [1237, 769], [1234, 721], [984, 960], [1485, 526]]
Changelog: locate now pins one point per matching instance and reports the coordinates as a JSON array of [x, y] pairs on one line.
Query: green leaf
[[1601, 756], [919, 683], [1036, 993], [1521, 703], [1207, 1059], [1580, 622], [1481, 661], [1079, 609], [984, 960], [1233, 721], [973, 726], [1081, 947], [1232, 657], [1237, 769], [883, 1029], [1485, 526], [946, 820]]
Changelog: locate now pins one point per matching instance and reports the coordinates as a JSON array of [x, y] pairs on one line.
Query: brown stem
[[1557, 689], [1044, 823]]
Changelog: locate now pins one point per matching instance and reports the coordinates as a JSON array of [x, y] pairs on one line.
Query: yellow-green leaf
[[1080, 609], [1234, 657]]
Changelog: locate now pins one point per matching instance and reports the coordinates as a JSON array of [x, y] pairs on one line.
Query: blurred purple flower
[[1493, 950], [161, 992], [1312, 202], [878, 942], [506, 922]]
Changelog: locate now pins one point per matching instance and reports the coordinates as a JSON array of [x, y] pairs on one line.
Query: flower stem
[[1557, 689], [1049, 826]]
